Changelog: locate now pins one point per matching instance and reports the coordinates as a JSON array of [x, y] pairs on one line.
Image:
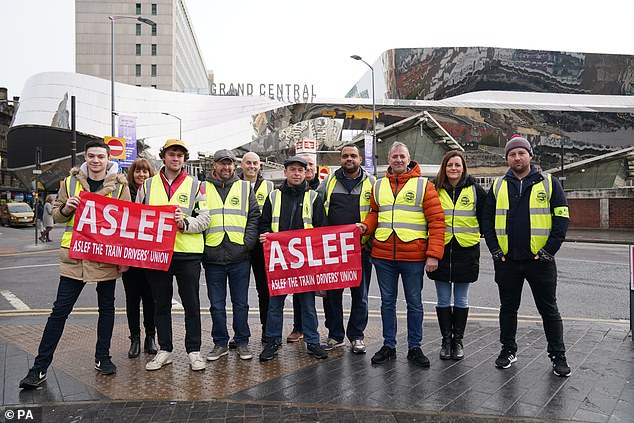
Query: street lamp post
[[180, 124], [374, 152], [112, 97]]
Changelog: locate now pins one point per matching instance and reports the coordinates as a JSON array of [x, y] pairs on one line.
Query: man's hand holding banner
[[113, 231], [307, 260]]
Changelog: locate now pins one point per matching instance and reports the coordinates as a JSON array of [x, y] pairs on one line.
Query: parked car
[[16, 214]]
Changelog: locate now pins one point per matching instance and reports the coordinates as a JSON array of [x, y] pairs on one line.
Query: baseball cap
[[173, 142], [224, 154], [295, 159]]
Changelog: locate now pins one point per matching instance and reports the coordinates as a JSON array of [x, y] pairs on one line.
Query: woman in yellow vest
[[462, 200]]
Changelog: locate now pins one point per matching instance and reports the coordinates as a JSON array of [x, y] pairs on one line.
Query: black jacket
[[228, 252], [518, 218], [461, 264], [344, 204], [291, 210]]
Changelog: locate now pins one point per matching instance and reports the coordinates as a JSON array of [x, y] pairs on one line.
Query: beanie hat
[[517, 141]]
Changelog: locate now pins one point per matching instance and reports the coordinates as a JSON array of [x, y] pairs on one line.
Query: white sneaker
[[196, 361], [162, 358]]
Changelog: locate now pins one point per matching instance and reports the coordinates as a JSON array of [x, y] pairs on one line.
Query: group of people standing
[[409, 225]]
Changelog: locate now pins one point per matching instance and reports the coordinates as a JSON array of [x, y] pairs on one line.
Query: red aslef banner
[[114, 231], [315, 259]]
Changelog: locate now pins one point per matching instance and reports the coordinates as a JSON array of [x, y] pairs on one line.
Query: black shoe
[[316, 350], [33, 379], [457, 349], [560, 365], [270, 351], [416, 356], [135, 347], [232, 344], [505, 359], [384, 354], [105, 366], [149, 346]]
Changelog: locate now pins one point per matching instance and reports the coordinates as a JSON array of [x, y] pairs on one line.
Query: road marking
[[30, 253], [14, 301], [32, 265]]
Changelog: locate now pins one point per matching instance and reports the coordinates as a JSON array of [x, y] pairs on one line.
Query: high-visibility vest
[[307, 209], [229, 217], [73, 187], [265, 188], [404, 214], [185, 198], [539, 211], [461, 221], [364, 198]]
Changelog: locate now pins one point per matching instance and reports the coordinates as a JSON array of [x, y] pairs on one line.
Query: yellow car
[[16, 214]]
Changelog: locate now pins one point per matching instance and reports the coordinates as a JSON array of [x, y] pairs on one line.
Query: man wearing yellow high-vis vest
[[100, 176], [289, 207], [233, 230], [525, 223], [346, 195], [173, 186], [408, 224], [251, 172]]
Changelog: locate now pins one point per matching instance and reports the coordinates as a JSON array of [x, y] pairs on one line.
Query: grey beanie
[[517, 141]]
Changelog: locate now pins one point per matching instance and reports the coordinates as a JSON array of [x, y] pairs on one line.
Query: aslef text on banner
[[114, 231], [314, 259]]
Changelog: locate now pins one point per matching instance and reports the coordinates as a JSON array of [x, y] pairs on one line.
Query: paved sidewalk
[[345, 387]]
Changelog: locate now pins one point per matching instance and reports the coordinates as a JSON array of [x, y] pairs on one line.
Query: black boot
[[135, 347], [444, 321], [459, 322], [149, 346]]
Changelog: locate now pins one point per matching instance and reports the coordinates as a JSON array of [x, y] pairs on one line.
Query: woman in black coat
[[137, 288], [463, 201]]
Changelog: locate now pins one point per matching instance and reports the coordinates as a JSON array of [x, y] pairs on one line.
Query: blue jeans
[[333, 306], [67, 293], [239, 275], [275, 317], [411, 272], [460, 294]]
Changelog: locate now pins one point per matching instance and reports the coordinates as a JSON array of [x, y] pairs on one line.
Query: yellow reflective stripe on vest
[[540, 216], [73, 187], [307, 209], [364, 198], [404, 214], [229, 217], [461, 221], [185, 198], [265, 188]]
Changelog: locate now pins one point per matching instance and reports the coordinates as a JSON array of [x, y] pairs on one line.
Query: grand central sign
[[280, 92]]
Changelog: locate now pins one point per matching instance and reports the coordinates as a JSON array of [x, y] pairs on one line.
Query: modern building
[[162, 53]]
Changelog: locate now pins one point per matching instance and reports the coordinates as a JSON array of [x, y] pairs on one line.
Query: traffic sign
[[324, 171], [117, 147]]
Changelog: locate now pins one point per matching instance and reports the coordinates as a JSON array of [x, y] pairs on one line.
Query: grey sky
[[290, 41]]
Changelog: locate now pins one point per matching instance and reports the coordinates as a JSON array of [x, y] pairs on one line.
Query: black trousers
[[261, 283], [137, 290], [187, 273], [542, 279]]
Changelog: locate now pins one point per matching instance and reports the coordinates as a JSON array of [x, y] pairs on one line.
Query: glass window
[[138, 29], [138, 70], [154, 29], [138, 49], [154, 9], [153, 49], [138, 8], [153, 70]]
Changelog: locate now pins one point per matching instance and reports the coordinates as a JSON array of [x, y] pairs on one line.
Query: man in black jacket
[[233, 231], [284, 210], [525, 223], [346, 196]]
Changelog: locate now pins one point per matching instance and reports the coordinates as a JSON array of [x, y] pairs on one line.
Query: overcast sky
[[291, 41]]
